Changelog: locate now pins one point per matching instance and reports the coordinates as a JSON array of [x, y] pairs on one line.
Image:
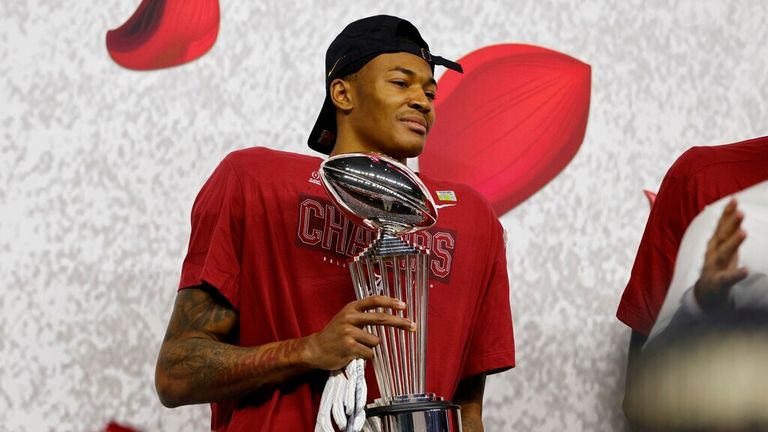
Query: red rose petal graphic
[[510, 123], [163, 33], [651, 197], [113, 426]]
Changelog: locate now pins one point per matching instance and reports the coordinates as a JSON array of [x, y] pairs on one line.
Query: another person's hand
[[721, 269], [344, 339]]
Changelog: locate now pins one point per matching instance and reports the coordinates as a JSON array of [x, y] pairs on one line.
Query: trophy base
[[416, 413]]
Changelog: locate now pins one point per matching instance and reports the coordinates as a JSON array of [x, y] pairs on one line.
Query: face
[[391, 100]]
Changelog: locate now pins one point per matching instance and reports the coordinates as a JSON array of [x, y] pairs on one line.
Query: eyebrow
[[411, 73]]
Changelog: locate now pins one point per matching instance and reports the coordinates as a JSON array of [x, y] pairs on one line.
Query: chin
[[407, 150]]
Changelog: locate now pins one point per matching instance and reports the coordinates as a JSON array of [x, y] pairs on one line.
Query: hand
[[344, 339], [720, 271]]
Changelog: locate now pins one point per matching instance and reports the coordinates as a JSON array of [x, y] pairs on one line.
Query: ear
[[342, 94]]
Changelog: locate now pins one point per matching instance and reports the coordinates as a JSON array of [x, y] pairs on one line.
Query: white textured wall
[[99, 167]]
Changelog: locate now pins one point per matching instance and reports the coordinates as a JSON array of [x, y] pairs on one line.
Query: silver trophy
[[385, 195]]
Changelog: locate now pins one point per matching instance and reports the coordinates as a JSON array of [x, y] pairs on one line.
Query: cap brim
[[323, 135]]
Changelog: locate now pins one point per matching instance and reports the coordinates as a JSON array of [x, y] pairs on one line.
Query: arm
[[675, 206], [469, 395], [198, 363]]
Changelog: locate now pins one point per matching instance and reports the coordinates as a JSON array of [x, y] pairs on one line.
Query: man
[[266, 307], [703, 362], [701, 176]]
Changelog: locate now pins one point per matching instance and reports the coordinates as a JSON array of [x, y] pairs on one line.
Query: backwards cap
[[355, 46]]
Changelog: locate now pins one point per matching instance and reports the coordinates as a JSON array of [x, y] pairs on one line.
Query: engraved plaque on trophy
[[386, 196]]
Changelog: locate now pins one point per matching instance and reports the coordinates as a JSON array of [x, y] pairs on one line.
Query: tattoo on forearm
[[211, 364], [193, 353]]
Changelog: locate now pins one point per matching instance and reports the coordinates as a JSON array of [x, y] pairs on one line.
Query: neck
[[345, 143]]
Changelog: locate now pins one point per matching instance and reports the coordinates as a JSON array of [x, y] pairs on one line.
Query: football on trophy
[[376, 190]]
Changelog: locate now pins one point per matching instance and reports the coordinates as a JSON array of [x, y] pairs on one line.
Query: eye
[[399, 83], [430, 95]]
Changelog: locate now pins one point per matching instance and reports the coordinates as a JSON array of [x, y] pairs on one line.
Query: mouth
[[415, 123]]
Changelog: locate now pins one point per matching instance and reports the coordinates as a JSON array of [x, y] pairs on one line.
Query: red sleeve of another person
[[215, 243], [671, 213]]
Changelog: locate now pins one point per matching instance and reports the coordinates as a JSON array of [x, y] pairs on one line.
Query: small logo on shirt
[[443, 196], [315, 178], [446, 195]]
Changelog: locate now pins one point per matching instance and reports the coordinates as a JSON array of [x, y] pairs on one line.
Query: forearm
[[199, 370], [469, 395], [471, 419], [197, 365]]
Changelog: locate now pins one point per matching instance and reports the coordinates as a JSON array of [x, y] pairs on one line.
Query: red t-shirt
[[266, 235], [701, 176]]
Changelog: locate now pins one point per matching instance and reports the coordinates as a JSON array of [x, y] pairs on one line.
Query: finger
[[732, 224], [382, 319], [728, 250], [728, 220], [379, 301], [363, 337], [362, 352], [731, 278], [729, 209]]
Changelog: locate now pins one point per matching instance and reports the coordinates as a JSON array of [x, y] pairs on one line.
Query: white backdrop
[[99, 167]]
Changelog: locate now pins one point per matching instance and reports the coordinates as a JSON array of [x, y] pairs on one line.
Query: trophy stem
[[356, 270], [387, 386], [399, 288], [422, 270], [412, 315], [394, 268], [395, 354]]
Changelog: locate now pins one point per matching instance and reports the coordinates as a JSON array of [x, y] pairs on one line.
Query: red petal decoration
[[651, 197], [163, 33], [510, 123], [117, 427]]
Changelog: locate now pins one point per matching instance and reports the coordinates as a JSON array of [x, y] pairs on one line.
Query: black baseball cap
[[355, 46]]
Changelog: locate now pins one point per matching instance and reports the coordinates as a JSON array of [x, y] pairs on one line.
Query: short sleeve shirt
[[266, 235], [701, 176]]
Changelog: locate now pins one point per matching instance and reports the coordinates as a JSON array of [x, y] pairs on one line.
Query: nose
[[419, 101]]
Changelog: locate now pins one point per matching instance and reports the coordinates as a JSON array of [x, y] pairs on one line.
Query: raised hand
[[721, 269]]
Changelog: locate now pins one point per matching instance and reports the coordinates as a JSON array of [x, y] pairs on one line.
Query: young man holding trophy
[[266, 306]]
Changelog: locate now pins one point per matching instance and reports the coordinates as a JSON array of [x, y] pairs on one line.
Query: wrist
[[711, 302], [307, 352], [690, 304]]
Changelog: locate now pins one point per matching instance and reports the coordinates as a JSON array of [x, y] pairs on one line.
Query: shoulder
[[266, 162], [466, 192], [473, 203], [700, 160], [694, 160], [265, 156]]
